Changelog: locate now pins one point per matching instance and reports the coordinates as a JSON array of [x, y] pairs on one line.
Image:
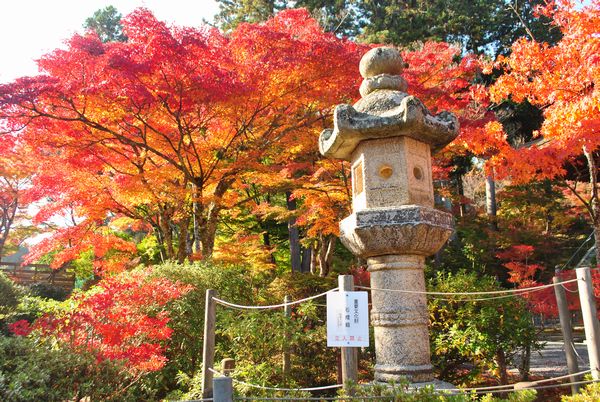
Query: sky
[[32, 28]]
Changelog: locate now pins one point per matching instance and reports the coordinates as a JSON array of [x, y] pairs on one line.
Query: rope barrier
[[502, 294], [569, 290], [439, 392], [511, 386], [473, 298], [581, 360], [561, 377], [565, 384], [494, 388], [272, 306], [360, 398], [280, 389], [493, 292]]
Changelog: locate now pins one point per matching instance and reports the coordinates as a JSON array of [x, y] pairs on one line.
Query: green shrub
[[590, 392], [253, 338], [48, 291], [481, 334], [9, 294], [184, 349], [34, 371]]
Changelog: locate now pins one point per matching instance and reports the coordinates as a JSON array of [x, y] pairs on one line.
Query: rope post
[[223, 389], [590, 320], [208, 351], [349, 355], [567, 332], [287, 311]]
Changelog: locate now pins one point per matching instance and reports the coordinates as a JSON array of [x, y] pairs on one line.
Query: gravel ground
[[551, 362]]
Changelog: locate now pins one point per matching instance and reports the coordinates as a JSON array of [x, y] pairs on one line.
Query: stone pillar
[[388, 137], [400, 317]]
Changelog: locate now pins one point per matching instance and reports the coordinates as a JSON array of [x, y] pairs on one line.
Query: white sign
[[347, 319]]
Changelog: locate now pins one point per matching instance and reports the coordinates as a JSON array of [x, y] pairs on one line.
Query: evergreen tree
[[480, 26], [107, 24], [343, 17], [234, 12]]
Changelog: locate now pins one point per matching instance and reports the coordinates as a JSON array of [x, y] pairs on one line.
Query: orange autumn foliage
[[563, 81], [160, 129]]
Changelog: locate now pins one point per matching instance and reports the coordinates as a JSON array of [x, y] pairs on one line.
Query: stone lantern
[[388, 137]]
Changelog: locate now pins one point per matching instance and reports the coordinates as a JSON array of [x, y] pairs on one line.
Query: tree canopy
[[562, 80], [478, 26], [160, 129]]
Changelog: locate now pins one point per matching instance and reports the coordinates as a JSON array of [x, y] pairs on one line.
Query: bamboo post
[[567, 332], [208, 351], [223, 389], [287, 311], [590, 320], [349, 355]]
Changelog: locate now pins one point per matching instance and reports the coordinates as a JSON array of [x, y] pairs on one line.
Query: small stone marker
[[388, 136]]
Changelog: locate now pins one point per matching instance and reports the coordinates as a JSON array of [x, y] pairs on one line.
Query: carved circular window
[[386, 171], [418, 173]]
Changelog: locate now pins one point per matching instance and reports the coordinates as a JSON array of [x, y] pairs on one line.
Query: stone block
[[391, 172], [409, 229]]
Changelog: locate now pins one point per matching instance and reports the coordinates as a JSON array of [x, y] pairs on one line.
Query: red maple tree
[[122, 318]]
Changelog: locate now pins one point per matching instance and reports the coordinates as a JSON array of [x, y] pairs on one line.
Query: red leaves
[[20, 328], [516, 252], [520, 269], [121, 319]]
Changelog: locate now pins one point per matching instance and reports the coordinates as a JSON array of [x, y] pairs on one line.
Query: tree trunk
[[294, 235], [313, 261], [196, 197], [326, 254], [164, 223], [209, 231], [267, 243], [594, 201], [183, 251], [461, 194], [549, 217], [525, 363], [490, 201], [208, 218], [501, 362], [306, 259], [6, 220]]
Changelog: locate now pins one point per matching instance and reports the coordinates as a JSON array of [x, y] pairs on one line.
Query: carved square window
[[357, 177]]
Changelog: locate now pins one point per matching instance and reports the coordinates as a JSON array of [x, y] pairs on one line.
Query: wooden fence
[[36, 273]]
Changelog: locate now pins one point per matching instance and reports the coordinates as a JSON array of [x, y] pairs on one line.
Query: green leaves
[[475, 332]]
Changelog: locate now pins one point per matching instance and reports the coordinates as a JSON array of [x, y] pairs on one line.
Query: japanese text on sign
[[347, 319]]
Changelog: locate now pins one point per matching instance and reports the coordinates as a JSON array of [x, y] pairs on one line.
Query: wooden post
[[287, 311], [349, 355], [227, 366], [208, 351], [590, 320], [223, 389], [567, 332]]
